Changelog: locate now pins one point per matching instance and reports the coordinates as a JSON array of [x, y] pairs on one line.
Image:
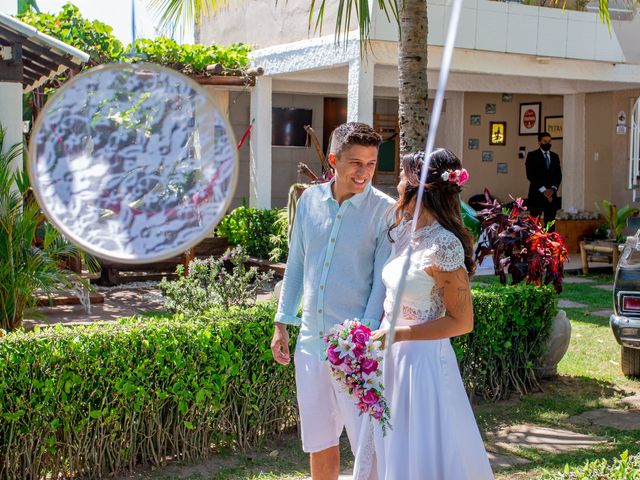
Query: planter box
[[574, 231]]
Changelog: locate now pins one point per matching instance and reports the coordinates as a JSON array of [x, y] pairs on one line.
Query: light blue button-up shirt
[[336, 255]]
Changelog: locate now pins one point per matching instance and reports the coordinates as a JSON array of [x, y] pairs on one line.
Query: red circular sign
[[529, 118]]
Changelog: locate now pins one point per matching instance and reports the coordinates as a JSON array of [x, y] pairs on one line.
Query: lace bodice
[[433, 246]]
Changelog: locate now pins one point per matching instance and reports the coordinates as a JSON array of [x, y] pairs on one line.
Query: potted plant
[[522, 249]]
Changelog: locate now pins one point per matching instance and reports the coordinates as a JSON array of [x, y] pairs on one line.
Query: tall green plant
[[616, 218], [25, 268]]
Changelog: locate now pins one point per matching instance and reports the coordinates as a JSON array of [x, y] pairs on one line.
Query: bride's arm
[[458, 320]]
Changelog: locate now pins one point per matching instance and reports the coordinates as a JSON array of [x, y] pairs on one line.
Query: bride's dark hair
[[440, 197]]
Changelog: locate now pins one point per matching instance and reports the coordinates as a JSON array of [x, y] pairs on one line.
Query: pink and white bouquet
[[355, 360]]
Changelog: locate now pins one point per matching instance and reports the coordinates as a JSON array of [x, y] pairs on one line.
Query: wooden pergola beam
[[32, 47]]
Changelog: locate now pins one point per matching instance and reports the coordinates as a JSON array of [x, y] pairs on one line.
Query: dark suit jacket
[[539, 176]]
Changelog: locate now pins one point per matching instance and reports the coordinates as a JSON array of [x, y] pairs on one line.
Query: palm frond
[[347, 9], [183, 13]]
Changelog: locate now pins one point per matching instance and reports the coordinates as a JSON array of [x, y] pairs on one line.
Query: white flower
[[371, 381], [373, 345], [445, 176], [345, 346]]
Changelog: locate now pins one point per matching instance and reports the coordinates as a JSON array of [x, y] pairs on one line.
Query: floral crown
[[458, 177]]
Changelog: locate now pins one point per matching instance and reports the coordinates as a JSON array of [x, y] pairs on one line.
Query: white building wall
[[263, 23]]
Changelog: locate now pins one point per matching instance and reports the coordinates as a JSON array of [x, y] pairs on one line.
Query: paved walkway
[[119, 302]]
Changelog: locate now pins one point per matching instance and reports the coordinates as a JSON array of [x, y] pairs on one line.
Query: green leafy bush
[[511, 326], [97, 39], [209, 284], [92, 401], [191, 59], [627, 467], [93, 37], [262, 232]]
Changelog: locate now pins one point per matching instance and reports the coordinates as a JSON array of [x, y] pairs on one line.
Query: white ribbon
[[433, 128]]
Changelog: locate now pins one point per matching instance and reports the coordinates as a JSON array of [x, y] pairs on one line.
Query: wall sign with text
[[553, 125], [530, 118]]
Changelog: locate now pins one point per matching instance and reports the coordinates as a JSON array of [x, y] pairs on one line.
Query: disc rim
[[71, 236]]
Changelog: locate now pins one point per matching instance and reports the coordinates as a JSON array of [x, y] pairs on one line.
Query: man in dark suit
[[544, 175]]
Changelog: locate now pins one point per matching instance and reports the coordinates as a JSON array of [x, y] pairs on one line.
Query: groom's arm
[[375, 305]]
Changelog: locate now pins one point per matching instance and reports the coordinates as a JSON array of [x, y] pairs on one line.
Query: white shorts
[[325, 409]]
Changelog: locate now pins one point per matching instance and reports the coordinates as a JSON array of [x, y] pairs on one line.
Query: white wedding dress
[[433, 435]]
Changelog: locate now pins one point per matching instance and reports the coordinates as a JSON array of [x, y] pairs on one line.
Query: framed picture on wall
[[473, 144], [490, 108], [530, 118], [553, 125], [474, 120], [502, 168], [487, 155], [497, 133]]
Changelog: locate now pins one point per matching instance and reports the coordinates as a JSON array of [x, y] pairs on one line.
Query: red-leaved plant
[[520, 246]]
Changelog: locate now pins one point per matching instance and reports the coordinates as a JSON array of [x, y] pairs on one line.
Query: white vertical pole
[[360, 91], [260, 154], [573, 152]]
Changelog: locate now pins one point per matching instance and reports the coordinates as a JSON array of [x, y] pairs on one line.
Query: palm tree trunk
[[413, 90]]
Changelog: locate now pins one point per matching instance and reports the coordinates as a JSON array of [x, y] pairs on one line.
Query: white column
[[453, 118], [260, 145], [573, 152], [220, 98], [360, 91], [11, 116]]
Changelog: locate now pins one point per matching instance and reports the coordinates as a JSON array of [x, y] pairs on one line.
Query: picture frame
[[473, 144], [490, 108], [502, 168], [497, 133], [487, 155], [554, 125], [507, 97], [474, 120], [529, 123]]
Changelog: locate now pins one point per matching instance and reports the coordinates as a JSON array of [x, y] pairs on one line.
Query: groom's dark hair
[[353, 133]]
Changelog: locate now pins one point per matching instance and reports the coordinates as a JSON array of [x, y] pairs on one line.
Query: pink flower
[[370, 397], [363, 407], [464, 176], [360, 334], [369, 365], [453, 175], [358, 350], [377, 414], [333, 356]]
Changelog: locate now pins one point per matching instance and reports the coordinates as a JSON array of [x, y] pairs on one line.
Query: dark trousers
[[540, 206]]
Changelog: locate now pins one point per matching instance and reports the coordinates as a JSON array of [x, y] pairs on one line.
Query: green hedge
[[511, 324], [627, 467], [95, 400]]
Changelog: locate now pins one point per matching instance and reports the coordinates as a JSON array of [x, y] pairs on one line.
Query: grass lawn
[[589, 378]]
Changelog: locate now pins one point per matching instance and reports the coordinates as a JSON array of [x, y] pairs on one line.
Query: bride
[[433, 433]]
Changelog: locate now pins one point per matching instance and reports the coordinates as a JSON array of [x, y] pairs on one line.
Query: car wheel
[[630, 360]]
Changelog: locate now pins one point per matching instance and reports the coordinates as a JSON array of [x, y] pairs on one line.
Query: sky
[[116, 13]]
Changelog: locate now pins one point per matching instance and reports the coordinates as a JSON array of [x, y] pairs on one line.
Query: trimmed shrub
[[627, 467], [511, 326], [91, 401]]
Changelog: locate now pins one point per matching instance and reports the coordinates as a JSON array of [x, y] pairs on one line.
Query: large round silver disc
[[134, 163]]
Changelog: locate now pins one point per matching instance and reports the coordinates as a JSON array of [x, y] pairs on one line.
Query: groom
[[338, 248]]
